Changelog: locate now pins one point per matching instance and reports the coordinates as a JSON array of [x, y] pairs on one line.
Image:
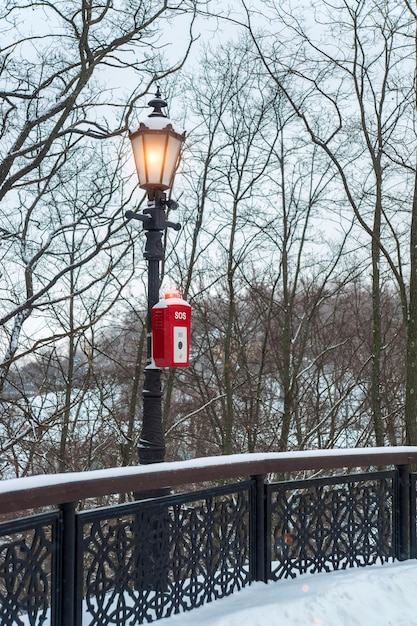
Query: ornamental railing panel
[[29, 570], [147, 560], [319, 525]]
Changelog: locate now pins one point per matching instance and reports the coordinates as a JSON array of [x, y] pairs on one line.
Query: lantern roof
[[157, 120]]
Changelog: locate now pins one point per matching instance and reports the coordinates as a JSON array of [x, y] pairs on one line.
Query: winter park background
[[295, 193], [298, 251]]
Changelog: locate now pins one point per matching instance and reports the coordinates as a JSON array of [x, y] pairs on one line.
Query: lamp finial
[[158, 104]]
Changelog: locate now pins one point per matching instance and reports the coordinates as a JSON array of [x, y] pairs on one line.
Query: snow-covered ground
[[379, 595]]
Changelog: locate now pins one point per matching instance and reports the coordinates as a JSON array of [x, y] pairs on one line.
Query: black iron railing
[[29, 570], [327, 524], [153, 557], [147, 560]]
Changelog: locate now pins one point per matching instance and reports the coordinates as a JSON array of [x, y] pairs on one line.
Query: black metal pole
[[259, 558], [151, 447], [403, 513], [152, 441], [68, 582]]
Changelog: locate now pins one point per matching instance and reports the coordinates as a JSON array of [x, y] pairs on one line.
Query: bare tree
[[66, 77], [56, 113], [349, 79], [264, 192]]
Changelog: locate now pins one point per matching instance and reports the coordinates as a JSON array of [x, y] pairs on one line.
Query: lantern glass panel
[[154, 151], [137, 147], [171, 158]]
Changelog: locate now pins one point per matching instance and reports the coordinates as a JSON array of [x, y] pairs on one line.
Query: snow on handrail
[[18, 494]]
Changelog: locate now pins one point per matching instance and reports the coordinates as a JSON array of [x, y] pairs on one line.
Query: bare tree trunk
[[376, 321], [128, 446], [411, 377]]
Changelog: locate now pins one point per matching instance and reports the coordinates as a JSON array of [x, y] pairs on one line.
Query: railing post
[[67, 579], [403, 513], [413, 512], [259, 566]]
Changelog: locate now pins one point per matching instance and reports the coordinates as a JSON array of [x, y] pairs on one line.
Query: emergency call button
[[180, 344], [171, 323]]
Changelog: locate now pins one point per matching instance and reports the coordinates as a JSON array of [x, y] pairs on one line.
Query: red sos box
[[171, 331]]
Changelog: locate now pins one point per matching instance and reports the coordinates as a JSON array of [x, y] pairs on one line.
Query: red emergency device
[[171, 331]]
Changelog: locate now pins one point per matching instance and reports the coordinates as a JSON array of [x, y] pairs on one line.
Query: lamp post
[[156, 148]]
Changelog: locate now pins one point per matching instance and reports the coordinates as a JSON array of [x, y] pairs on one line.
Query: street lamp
[[156, 148]]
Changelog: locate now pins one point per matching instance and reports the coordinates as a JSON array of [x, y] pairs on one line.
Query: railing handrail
[[18, 494]]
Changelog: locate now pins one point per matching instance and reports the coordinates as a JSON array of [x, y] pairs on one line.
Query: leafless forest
[[297, 193]]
